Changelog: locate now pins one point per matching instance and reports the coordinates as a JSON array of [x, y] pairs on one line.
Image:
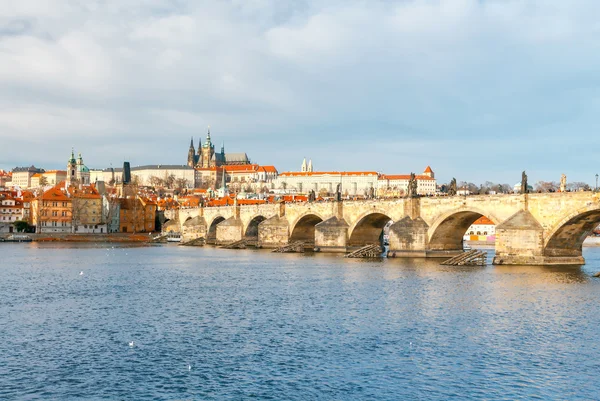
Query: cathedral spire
[[192, 143], [303, 168]]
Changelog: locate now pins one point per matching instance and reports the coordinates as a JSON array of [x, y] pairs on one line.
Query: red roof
[[86, 192], [428, 170], [241, 167], [483, 221], [405, 177], [342, 173], [269, 169], [55, 194]]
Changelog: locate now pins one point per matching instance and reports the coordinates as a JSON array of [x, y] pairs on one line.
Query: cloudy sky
[[478, 89]]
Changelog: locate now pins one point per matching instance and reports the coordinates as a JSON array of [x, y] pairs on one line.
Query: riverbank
[[116, 237]]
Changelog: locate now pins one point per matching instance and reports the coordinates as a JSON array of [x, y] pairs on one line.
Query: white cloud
[[295, 73]]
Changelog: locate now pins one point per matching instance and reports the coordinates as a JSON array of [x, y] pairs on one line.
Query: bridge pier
[[273, 232], [520, 241], [331, 235], [408, 238], [193, 229], [229, 231]]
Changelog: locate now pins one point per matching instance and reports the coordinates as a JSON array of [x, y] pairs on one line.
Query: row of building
[[209, 169], [65, 208]]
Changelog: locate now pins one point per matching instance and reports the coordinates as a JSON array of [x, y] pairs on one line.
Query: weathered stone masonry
[[531, 228]]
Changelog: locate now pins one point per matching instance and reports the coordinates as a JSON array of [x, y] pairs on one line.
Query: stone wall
[[552, 228]]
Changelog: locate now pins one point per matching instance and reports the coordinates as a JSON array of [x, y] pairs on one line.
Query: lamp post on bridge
[[596, 182]]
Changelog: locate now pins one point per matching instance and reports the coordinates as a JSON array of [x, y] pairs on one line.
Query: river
[[178, 323]]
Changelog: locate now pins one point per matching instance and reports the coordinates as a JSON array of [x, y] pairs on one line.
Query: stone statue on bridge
[[452, 187], [312, 196], [563, 183], [338, 192], [412, 186], [524, 189], [371, 193]]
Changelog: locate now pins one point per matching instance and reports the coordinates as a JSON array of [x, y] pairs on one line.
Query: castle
[[206, 157]]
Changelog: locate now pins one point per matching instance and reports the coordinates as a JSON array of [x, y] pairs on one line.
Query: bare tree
[[546, 186], [169, 180], [78, 205], [110, 212], [156, 181], [181, 183], [40, 210], [43, 181], [578, 186]]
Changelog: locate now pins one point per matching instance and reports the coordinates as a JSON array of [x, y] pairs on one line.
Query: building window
[[478, 232]]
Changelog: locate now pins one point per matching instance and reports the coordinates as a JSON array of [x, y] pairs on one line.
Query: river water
[[213, 324]]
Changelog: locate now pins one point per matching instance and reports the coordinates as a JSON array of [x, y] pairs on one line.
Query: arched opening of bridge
[[170, 226], [567, 240], [251, 234], [451, 233], [211, 236], [370, 230], [304, 230]]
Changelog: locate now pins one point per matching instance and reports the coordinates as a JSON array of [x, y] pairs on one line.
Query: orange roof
[[241, 167], [55, 194], [228, 201], [428, 170], [27, 195], [86, 192], [405, 177], [342, 173], [483, 221], [190, 201], [269, 169], [36, 175]]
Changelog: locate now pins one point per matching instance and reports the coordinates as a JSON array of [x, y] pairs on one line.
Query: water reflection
[[253, 324]]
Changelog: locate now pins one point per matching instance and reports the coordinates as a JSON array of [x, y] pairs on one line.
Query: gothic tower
[[191, 154], [208, 150]]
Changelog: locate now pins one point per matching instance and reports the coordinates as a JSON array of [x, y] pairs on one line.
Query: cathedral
[[206, 157]]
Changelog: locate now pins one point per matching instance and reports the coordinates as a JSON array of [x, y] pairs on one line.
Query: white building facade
[[358, 183]]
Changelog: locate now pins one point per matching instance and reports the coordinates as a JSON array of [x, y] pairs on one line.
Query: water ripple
[[256, 325]]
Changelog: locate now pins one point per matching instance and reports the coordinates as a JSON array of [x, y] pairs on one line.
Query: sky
[[478, 89]]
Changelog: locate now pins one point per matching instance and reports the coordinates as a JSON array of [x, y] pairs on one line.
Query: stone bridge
[[530, 228]]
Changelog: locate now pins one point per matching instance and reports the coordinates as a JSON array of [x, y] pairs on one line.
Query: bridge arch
[[566, 238], [368, 228], [448, 230], [170, 226], [303, 228], [211, 235], [251, 231]]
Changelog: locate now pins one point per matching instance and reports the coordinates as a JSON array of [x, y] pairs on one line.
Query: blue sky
[[479, 90]]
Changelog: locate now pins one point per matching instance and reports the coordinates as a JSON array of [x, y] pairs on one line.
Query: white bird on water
[[81, 273], [189, 367], [131, 343]]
